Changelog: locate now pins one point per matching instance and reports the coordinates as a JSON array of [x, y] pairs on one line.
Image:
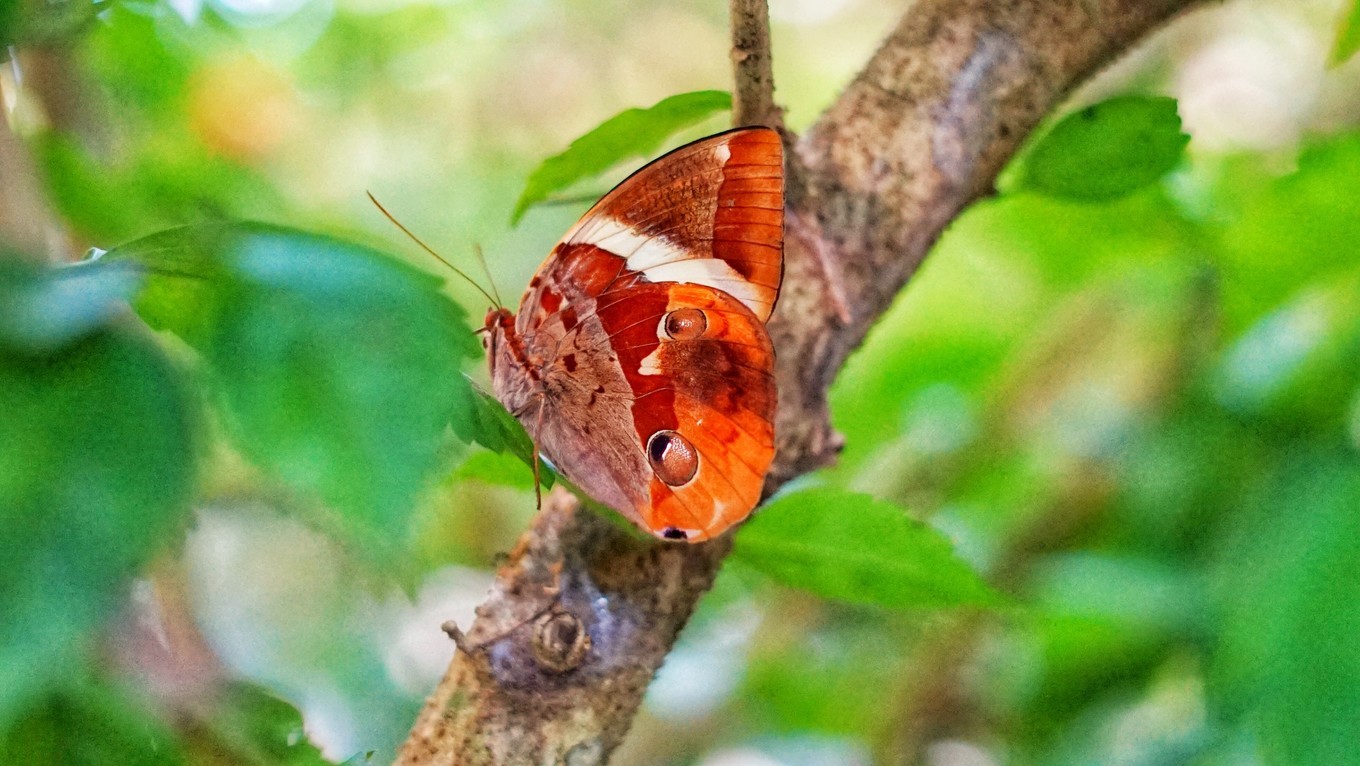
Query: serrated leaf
[[852, 547], [96, 467], [1106, 150], [627, 135], [338, 367], [1347, 36], [480, 419], [187, 278]]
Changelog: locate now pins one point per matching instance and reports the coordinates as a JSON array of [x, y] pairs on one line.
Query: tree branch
[[584, 611], [753, 76]]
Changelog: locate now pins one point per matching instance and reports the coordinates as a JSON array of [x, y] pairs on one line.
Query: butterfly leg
[[538, 428]]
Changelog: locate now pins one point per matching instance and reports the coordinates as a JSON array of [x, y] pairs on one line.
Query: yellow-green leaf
[[629, 134]]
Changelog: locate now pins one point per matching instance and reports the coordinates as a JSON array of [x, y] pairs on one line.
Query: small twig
[[459, 638], [753, 93]]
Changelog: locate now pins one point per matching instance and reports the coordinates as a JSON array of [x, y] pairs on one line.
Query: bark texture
[[753, 66], [584, 611]]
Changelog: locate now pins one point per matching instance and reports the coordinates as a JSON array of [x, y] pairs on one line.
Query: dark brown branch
[[584, 612], [753, 78]]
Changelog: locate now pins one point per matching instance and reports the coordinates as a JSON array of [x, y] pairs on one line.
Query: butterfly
[[639, 362]]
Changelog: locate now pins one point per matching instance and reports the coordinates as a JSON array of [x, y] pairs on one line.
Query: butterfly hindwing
[[701, 369]]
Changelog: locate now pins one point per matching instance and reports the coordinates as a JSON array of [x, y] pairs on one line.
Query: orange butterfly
[[639, 362]]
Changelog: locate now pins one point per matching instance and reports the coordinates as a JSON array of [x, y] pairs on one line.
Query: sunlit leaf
[[1347, 36], [96, 466], [498, 468], [1299, 227], [1106, 150], [629, 134], [338, 367], [853, 547]]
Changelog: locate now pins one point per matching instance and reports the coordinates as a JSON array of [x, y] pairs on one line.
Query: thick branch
[[916, 137], [584, 612]]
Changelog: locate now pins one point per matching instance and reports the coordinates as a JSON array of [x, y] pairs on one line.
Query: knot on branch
[[561, 641]]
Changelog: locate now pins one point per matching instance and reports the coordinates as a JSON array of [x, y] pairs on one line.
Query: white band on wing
[[659, 260]]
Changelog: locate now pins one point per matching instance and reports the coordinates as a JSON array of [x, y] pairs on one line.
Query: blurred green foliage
[[96, 461], [1124, 394], [1347, 36], [303, 335]]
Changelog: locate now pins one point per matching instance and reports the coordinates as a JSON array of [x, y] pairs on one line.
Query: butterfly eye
[[685, 324], [673, 458]]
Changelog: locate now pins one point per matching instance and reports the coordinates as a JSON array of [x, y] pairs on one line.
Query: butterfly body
[[639, 361]]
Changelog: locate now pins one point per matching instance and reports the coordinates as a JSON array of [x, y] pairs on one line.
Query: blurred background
[[1138, 417]]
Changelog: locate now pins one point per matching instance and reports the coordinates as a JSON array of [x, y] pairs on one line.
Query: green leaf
[[338, 367], [853, 547], [497, 468], [254, 726], [1347, 36], [1296, 229], [1106, 150], [1289, 583], [480, 419], [96, 467], [43, 310], [628, 134]]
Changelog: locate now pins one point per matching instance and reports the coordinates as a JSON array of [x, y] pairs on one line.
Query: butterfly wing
[[709, 213], [700, 367], [649, 318]]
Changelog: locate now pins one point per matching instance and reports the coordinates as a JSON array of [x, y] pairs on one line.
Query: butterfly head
[[498, 324], [497, 317]]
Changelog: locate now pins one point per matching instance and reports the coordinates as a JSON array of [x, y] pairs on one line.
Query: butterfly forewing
[[710, 213], [646, 372]]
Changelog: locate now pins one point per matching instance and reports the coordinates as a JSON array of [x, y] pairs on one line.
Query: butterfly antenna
[[481, 258], [430, 250]]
